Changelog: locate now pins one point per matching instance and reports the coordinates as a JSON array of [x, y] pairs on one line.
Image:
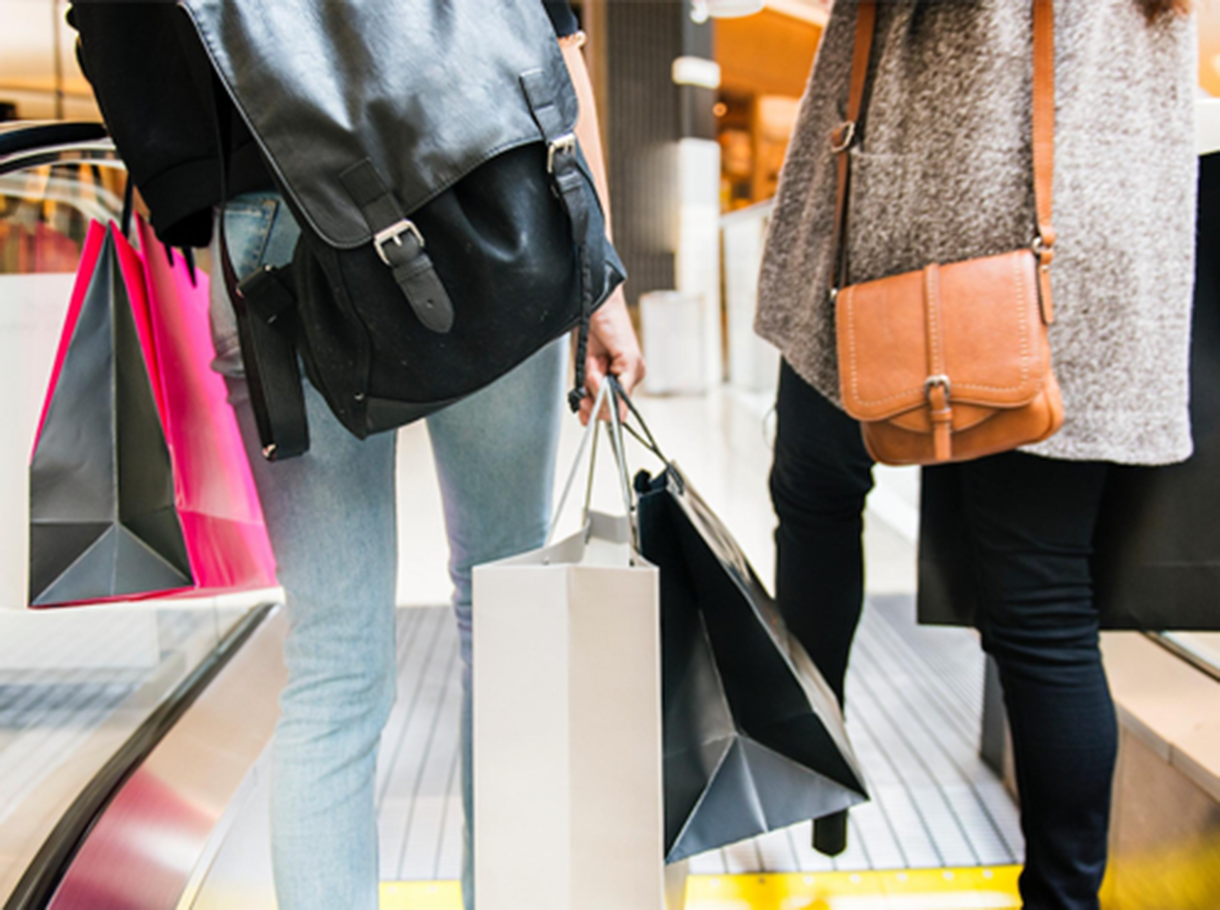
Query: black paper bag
[[753, 736], [103, 522]]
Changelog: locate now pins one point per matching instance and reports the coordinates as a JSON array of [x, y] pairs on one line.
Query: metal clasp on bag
[[394, 234], [933, 381], [1044, 252], [846, 135], [564, 145]]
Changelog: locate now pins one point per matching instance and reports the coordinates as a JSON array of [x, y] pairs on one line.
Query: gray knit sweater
[[944, 174]]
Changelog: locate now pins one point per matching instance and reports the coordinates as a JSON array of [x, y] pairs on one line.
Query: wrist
[[613, 310]]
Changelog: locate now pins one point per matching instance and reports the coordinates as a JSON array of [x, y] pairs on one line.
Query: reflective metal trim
[[54, 862], [1200, 663], [101, 152]]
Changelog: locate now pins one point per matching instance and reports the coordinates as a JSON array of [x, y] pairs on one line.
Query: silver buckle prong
[[564, 144], [938, 380], [394, 233]]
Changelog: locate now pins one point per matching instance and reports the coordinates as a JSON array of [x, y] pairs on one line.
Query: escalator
[[134, 738], [125, 730]]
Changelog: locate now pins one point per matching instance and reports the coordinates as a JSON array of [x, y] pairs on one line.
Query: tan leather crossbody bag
[[952, 362]]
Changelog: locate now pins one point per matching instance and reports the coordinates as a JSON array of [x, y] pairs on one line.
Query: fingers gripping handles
[[611, 395], [609, 392]]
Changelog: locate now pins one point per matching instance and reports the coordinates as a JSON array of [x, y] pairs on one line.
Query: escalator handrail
[[25, 135], [29, 144], [42, 877]]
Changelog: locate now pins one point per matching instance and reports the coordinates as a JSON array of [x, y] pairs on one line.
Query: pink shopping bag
[[214, 490]]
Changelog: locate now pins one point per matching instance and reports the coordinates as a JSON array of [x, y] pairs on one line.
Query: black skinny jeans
[[1031, 521]]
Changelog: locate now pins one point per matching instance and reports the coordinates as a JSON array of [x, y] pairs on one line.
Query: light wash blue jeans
[[331, 518]]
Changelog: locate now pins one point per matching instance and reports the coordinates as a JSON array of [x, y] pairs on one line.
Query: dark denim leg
[[1031, 524], [819, 480]]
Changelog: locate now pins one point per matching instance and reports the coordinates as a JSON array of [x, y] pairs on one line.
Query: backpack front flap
[[425, 90]]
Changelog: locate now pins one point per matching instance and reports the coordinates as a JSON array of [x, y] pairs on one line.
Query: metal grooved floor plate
[[914, 705]]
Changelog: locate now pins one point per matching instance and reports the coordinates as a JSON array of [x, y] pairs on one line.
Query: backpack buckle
[[394, 234], [564, 145]]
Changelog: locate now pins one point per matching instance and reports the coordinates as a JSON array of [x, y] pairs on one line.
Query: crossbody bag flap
[[427, 90], [898, 334]]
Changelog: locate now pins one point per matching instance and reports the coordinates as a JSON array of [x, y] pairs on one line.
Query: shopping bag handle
[[612, 390], [129, 206], [646, 440]]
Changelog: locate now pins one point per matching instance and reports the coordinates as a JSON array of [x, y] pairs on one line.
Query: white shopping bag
[[567, 727], [568, 804]]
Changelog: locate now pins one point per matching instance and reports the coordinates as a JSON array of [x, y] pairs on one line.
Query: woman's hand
[[614, 350]]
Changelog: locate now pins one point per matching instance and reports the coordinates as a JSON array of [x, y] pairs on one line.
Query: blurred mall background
[[696, 112]]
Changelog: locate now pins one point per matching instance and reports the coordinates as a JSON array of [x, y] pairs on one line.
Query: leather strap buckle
[[843, 136], [394, 234], [564, 145], [1044, 251], [939, 380]]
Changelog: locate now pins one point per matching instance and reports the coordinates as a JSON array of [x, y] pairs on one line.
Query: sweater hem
[[1084, 438]]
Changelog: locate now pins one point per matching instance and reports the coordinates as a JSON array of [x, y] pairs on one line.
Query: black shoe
[[830, 833]]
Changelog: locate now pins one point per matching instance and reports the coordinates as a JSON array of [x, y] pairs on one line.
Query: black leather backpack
[[450, 227]]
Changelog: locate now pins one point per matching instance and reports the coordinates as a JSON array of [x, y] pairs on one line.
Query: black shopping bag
[[1156, 560], [103, 519], [1156, 563], [753, 736]]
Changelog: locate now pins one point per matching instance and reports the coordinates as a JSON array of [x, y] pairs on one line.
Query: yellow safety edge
[[909, 889]]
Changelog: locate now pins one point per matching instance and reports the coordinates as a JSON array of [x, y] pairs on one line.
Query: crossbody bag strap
[[1044, 147], [1043, 130], [269, 357], [844, 136]]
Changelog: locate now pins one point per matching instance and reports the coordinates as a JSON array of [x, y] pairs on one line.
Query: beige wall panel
[[1165, 836]]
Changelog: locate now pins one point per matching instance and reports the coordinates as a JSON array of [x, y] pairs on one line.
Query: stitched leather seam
[[1021, 298], [1022, 307], [932, 307]]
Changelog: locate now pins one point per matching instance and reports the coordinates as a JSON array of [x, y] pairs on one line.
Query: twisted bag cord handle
[[646, 440], [608, 390]]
